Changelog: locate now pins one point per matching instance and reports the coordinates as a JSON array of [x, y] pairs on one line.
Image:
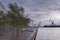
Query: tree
[[2, 18], [16, 18]]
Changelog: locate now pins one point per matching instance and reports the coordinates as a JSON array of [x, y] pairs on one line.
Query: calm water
[[48, 34]]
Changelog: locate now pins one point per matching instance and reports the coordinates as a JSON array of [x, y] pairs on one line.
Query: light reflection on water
[[48, 34]]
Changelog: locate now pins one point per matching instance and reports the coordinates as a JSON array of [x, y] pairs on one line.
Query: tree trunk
[[13, 34], [17, 34], [4, 29], [13, 31]]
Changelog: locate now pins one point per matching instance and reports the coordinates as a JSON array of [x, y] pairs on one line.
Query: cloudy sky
[[39, 10]]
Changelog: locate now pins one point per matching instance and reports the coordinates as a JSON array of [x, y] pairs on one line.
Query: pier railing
[[23, 34]]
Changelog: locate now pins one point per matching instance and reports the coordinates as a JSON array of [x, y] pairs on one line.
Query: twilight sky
[[39, 10]]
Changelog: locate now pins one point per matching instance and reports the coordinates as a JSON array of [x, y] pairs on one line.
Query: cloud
[[38, 9]]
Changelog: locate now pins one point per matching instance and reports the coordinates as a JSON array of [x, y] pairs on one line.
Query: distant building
[[51, 26]]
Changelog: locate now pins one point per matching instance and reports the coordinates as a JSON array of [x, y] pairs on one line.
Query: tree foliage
[[2, 17], [15, 17]]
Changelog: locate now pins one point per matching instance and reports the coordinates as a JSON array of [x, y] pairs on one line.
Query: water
[[48, 34]]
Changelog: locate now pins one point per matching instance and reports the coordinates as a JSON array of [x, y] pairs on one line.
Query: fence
[[10, 34]]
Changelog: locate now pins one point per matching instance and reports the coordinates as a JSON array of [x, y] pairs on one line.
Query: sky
[[39, 10]]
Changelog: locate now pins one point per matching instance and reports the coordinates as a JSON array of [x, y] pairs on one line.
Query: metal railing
[[31, 36]]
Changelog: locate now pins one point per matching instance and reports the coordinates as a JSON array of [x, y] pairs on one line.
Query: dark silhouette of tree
[[2, 22], [16, 18]]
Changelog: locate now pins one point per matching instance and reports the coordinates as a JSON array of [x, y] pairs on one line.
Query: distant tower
[[52, 22]]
